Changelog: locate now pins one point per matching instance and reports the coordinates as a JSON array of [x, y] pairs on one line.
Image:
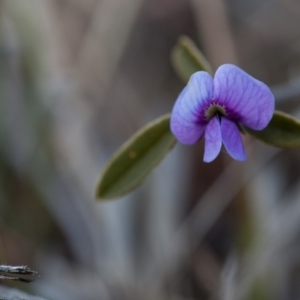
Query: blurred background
[[77, 79]]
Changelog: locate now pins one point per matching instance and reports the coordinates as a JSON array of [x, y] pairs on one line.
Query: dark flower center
[[215, 109]]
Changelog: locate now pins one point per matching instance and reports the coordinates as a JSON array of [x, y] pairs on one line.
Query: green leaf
[[129, 166], [188, 59], [283, 131]]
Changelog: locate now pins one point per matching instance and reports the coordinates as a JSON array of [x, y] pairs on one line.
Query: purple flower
[[215, 108]]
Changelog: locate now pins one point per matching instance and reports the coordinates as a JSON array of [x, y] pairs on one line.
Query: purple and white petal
[[213, 140], [246, 100], [187, 123], [232, 139]]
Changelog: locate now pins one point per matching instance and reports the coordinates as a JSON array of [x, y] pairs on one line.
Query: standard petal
[[232, 139], [213, 140], [246, 100], [187, 120]]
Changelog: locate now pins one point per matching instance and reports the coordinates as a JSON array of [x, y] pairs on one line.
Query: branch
[[18, 273]]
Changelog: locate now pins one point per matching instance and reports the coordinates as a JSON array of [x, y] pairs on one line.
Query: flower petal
[[213, 140], [187, 123], [232, 139], [246, 100]]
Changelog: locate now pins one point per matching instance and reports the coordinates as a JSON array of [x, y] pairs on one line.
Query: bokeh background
[[79, 77]]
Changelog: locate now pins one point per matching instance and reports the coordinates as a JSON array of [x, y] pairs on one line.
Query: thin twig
[[18, 273]]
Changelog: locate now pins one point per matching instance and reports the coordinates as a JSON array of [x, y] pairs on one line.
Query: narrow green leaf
[[283, 131], [188, 59], [129, 166]]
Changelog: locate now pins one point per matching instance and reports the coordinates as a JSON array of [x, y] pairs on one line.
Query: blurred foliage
[[76, 79]]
